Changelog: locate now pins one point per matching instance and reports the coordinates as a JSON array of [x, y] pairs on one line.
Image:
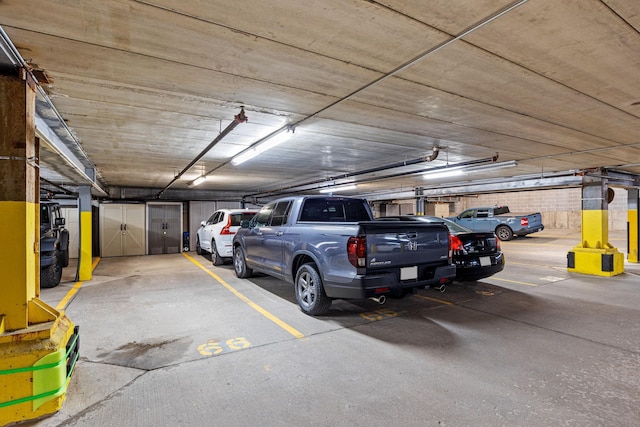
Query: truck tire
[[310, 292], [504, 233], [216, 259], [50, 276], [64, 259], [63, 255], [240, 264]]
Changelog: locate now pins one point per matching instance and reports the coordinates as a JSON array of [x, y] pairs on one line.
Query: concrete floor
[[170, 340]]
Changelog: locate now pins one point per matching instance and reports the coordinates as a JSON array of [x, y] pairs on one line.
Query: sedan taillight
[[455, 245]]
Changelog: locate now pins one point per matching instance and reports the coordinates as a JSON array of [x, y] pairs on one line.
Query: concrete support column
[[595, 255], [633, 224], [19, 210], [85, 258], [38, 345]]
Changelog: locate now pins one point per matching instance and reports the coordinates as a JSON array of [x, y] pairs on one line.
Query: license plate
[[485, 261], [409, 273]]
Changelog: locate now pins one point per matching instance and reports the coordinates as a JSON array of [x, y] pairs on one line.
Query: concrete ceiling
[[143, 87]]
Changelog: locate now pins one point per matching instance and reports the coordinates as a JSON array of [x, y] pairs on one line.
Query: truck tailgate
[[405, 243], [535, 220]]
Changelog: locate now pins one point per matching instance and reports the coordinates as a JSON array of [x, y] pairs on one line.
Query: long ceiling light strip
[[267, 143], [338, 188], [459, 170]]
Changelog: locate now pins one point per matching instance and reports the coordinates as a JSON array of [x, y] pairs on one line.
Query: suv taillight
[[226, 229], [357, 251]]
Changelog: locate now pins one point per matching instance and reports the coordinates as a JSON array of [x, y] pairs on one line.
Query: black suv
[[54, 244]]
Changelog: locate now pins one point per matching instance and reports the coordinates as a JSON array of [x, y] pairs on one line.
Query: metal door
[[165, 232]]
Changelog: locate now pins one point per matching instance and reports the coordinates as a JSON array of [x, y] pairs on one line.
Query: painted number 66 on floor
[[215, 347]]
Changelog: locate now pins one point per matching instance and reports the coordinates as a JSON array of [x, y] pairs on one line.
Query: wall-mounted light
[[199, 180], [333, 189], [261, 147]]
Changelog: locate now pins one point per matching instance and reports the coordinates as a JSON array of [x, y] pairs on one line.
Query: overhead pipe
[[429, 158], [281, 191], [237, 119]]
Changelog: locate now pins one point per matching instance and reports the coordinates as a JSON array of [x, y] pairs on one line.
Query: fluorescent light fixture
[[338, 188], [445, 173], [199, 180], [263, 146], [462, 170], [492, 166]]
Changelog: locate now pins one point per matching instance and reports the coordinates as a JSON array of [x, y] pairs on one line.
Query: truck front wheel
[[240, 264], [50, 276], [504, 233], [310, 292]]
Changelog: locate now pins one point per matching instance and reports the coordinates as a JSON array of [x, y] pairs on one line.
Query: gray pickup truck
[[330, 247], [500, 220]]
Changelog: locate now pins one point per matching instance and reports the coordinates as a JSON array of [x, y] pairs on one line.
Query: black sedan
[[476, 255]]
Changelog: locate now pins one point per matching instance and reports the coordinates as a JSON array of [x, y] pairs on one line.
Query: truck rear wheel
[[310, 292], [504, 233]]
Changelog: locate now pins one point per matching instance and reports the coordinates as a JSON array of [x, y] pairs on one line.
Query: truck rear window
[[334, 210], [499, 210]]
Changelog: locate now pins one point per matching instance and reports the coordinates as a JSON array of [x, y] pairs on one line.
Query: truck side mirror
[[59, 222], [244, 223]]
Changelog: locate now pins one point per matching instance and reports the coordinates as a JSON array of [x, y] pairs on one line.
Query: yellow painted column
[[633, 224], [38, 344], [85, 259], [594, 254]]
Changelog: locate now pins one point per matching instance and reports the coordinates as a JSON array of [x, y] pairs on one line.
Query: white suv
[[215, 235]]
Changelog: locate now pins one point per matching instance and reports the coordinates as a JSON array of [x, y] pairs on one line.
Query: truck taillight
[[227, 228], [524, 222], [357, 251]]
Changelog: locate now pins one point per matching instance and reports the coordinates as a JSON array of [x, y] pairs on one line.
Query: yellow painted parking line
[[434, 299], [293, 331], [67, 298], [528, 264], [514, 281]]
